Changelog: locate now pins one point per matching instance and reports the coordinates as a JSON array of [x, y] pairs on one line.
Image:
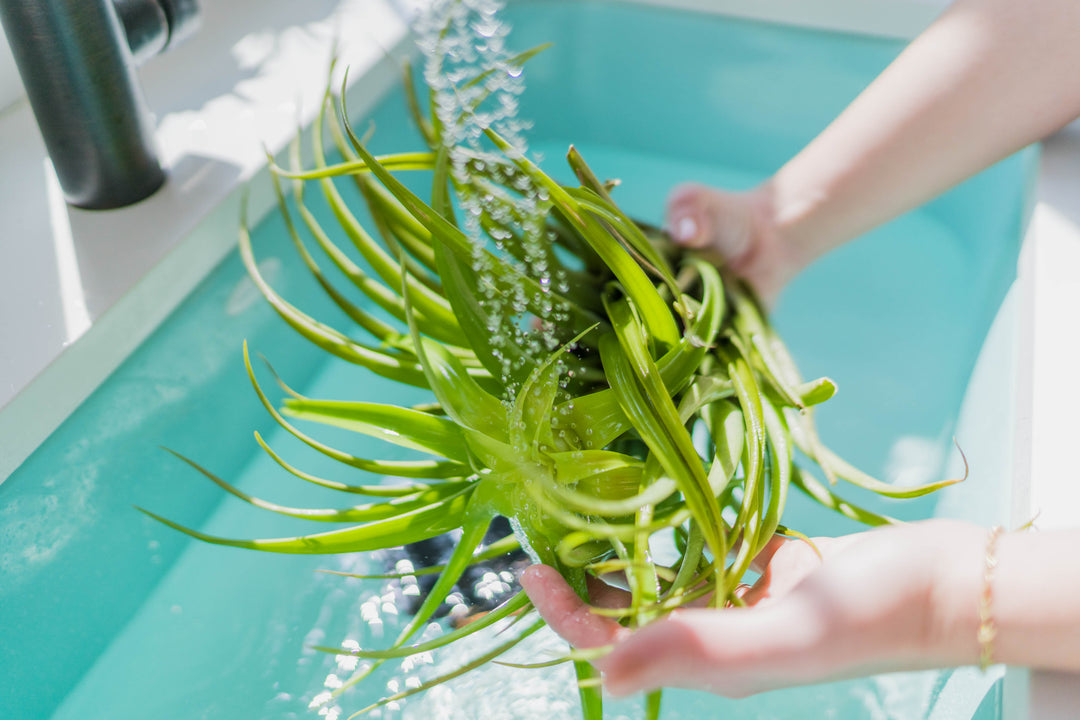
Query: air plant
[[662, 402]]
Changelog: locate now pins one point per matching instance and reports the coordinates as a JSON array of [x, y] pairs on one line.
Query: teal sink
[[105, 613]]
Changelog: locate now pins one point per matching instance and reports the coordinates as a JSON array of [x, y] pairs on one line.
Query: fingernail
[[686, 229], [528, 576]]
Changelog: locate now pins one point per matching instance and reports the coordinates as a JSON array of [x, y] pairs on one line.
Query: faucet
[[77, 60]]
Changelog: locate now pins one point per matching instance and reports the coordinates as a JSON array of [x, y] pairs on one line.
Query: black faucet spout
[[77, 60]]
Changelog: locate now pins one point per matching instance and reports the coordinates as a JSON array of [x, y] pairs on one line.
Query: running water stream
[[475, 82]]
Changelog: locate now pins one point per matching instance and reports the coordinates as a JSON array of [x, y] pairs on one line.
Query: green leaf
[[779, 442], [810, 485], [599, 202], [816, 392], [601, 413], [377, 328], [652, 704], [426, 302], [749, 519], [397, 161], [384, 297], [407, 469], [846, 471], [358, 514], [399, 229], [687, 577], [631, 277], [592, 702], [396, 367], [461, 397], [591, 505], [402, 529], [423, 469], [392, 221], [728, 431], [517, 603], [504, 277], [472, 534], [647, 404], [390, 423], [531, 412]]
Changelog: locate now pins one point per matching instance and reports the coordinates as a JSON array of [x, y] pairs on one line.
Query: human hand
[[895, 598], [736, 229]]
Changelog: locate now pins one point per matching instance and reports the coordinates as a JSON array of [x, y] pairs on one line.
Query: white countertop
[[79, 290]]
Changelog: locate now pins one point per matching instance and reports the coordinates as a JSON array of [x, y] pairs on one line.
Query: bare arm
[[987, 78], [1036, 600]]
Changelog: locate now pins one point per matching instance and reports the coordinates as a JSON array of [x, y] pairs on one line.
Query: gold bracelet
[[987, 628]]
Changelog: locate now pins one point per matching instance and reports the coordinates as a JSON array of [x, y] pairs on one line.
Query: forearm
[[987, 78], [1035, 600]]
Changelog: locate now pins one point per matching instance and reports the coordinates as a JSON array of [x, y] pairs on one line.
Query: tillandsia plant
[[591, 382]]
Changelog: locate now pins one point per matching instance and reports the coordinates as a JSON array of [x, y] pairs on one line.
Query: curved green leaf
[[358, 514], [399, 530], [390, 423]]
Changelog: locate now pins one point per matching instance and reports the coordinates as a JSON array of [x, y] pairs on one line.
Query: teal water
[[106, 614]]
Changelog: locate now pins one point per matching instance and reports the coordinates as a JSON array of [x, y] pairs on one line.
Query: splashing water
[[476, 83]]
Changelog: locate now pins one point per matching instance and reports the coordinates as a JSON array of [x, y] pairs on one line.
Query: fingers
[[688, 219], [658, 655], [759, 592], [735, 652], [765, 555], [687, 649], [783, 563], [700, 217], [565, 612]]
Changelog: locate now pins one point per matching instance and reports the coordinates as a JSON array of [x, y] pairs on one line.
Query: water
[[105, 613], [476, 82]]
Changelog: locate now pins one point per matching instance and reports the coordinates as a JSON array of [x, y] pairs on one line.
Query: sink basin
[[106, 613]]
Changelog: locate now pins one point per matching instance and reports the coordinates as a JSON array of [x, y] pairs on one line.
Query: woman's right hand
[[894, 598], [735, 229]]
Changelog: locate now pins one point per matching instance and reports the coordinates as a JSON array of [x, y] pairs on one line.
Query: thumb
[[565, 612]]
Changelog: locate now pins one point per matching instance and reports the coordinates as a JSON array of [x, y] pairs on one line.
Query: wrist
[[772, 258], [950, 636], [802, 214]]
